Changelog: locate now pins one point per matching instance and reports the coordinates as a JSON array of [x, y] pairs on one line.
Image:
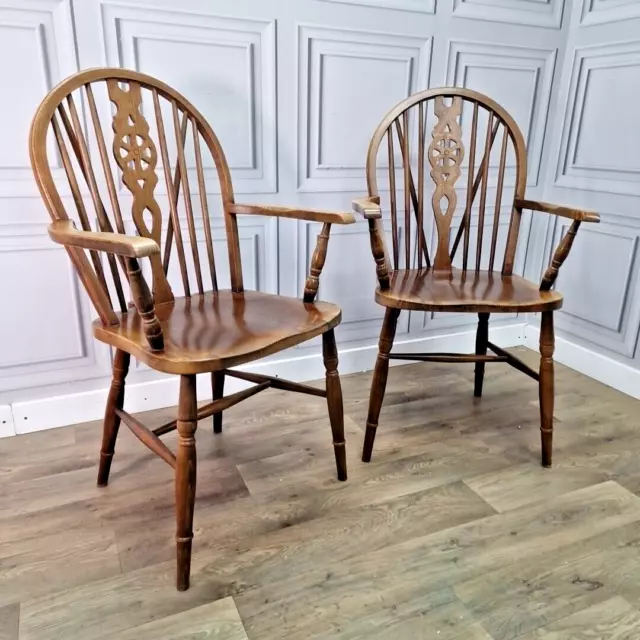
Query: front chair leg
[[217, 389], [482, 339], [185, 477], [115, 400], [334, 401], [546, 389], [379, 382]]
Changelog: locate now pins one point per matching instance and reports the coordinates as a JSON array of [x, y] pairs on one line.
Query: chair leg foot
[[482, 338], [334, 401], [547, 384], [185, 479], [379, 382], [111, 424], [217, 388]]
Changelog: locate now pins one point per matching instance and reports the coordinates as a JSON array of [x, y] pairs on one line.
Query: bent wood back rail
[[475, 148], [114, 187]]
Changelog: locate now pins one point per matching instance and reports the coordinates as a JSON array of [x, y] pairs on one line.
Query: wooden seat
[[206, 331], [462, 291], [458, 277], [220, 329]]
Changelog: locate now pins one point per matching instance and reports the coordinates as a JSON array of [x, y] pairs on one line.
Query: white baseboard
[[595, 365], [6, 421], [47, 413]]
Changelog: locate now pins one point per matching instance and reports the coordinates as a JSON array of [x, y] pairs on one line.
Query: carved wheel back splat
[[446, 154], [136, 155]]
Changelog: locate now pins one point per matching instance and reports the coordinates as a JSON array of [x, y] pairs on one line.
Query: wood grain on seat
[[220, 329], [469, 291]]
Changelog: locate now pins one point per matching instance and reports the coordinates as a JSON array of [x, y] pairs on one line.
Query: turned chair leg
[[217, 389], [482, 338], [547, 383], [334, 401], [115, 400], [185, 477], [379, 381]]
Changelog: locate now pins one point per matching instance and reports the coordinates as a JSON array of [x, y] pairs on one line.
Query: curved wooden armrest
[[312, 215], [368, 207], [582, 215], [65, 232]]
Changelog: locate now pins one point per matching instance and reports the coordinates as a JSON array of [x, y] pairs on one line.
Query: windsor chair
[[201, 331], [412, 281]]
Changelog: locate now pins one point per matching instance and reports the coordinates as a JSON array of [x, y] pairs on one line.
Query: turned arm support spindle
[[370, 209], [560, 255], [143, 300], [317, 263]]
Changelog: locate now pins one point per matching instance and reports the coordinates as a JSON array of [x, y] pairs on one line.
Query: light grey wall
[[295, 88]]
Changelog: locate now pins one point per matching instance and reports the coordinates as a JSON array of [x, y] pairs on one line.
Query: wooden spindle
[[204, 204], [560, 255], [392, 197], [476, 186], [317, 263], [186, 195], [143, 301], [483, 191], [74, 130], [406, 163], [171, 193], [421, 137], [466, 221], [168, 245], [496, 216]]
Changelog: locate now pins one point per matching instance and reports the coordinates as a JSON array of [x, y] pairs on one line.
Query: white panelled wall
[[295, 89]]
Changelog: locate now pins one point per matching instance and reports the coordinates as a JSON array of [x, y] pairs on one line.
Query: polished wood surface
[[485, 284], [220, 329], [462, 291], [453, 527], [207, 330]]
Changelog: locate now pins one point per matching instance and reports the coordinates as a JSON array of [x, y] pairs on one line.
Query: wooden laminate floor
[[453, 531]]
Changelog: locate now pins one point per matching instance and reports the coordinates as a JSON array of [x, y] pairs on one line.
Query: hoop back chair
[[469, 271], [207, 329]]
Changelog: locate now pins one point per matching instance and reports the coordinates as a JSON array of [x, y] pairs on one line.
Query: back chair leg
[[547, 383], [482, 338], [185, 477], [379, 381], [111, 424], [334, 401], [217, 389]]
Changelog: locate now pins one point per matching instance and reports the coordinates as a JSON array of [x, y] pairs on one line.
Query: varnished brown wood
[[207, 332], [560, 255], [317, 263], [379, 381], [186, 463], [482, 341], [334, 402], [446, 357], [467, 292], [444, 287], [143, 301], [547, 384], [514, 361], [148, 438], [217, 392], [111, 424], [277, 383]]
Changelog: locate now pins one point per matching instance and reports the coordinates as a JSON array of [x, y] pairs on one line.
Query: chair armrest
[[130, 248], [368, 207], [582, 215], [312, 215], [65, 232]]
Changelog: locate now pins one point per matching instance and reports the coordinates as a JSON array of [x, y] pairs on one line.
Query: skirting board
[[595, 365], [69, 409]]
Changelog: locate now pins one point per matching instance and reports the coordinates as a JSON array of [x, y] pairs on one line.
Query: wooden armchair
[[411, 280], [205, 331]]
